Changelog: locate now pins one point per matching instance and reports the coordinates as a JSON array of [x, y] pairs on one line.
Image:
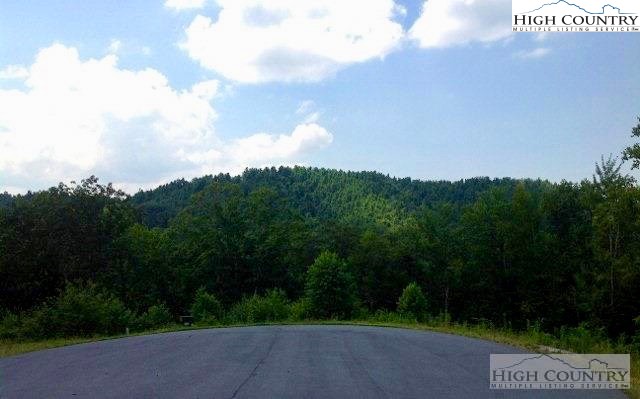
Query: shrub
[[206, 308], [10, 326], [299, 310], [412, 302], [156, 316], [385, 316], [274, 306], [584, 339], [635, 341], [78, 311], [330, 288], [39, 323], [82, 311]]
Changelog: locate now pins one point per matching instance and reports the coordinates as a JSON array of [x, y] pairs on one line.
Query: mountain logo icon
[[592, 364], [607, 9]]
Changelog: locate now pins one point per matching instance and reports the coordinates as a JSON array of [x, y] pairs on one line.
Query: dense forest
[[332, 244]]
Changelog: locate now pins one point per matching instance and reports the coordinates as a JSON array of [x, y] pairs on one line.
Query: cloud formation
[[254, 41], [73, 117], [446, 23], [539, 52], [180, 5]]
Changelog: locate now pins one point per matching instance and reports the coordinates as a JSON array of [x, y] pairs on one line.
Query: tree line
[[321, 243]]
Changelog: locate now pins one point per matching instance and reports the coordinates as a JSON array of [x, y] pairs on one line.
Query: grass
[[531, 340]]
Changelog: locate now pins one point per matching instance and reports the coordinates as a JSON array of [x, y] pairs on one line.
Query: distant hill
[[326, 193]]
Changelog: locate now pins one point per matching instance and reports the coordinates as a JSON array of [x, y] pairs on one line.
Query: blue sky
[[143, 92]]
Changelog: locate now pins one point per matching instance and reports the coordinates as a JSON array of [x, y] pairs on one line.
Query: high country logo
[[560, 371], [576, 16]]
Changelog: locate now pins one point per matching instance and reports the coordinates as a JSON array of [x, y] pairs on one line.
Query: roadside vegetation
[[527, 262], [103, 317]]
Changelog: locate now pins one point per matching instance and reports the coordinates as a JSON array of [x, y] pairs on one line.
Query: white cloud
[[305, 107], [180, 5], [254, 41], [267, 147], [114, 46], [307, 110], [533, 54], [14, 72], [445, 23], [75, 117]]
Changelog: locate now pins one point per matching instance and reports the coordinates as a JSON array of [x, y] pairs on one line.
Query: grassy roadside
[[530, 340]]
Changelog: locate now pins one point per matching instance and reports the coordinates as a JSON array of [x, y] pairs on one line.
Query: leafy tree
[[330, 288], [51, 238], [156, 316], [81, 311], [615, 226], [273, 306], [412, 302], [632, 153], [206, 307]]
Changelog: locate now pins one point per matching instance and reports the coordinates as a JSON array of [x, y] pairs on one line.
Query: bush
[[330, 288], [385, 316], [584, 339], [39, 323], [300, 310], [274, 306], [635, 341], [155, 317], [83, 311], [10, 326], [78, 311], [206, 308], [412, 303]]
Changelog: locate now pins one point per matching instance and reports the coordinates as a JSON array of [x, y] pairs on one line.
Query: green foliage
[[84, 311], [50, 238], [412, 302], [273, 306], [330, 288], [78, 311], [155, 317], [562, 253], [206, 308], [9, 326], [386, 316], [583, 339], [299, 310], [632, 153]]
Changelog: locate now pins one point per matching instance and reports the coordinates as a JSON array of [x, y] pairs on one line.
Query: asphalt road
[[267, 362]]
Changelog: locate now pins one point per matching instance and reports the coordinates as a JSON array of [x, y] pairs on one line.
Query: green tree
[[330, 288], [87, 310], [412, 302], [206, 307], [632, 153], [156, 316]]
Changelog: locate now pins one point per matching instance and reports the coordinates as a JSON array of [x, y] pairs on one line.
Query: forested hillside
[[327, 194], [508, 252]]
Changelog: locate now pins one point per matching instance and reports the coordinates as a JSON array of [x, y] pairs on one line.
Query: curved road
[[267, 362]]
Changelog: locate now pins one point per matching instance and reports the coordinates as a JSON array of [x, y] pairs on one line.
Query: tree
[[615, 218], [206, 307], [612, 214], [54, 237], [632, 153], [330, 288], [412, 302]]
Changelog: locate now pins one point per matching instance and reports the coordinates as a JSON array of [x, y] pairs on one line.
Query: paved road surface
[[267, 362]]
